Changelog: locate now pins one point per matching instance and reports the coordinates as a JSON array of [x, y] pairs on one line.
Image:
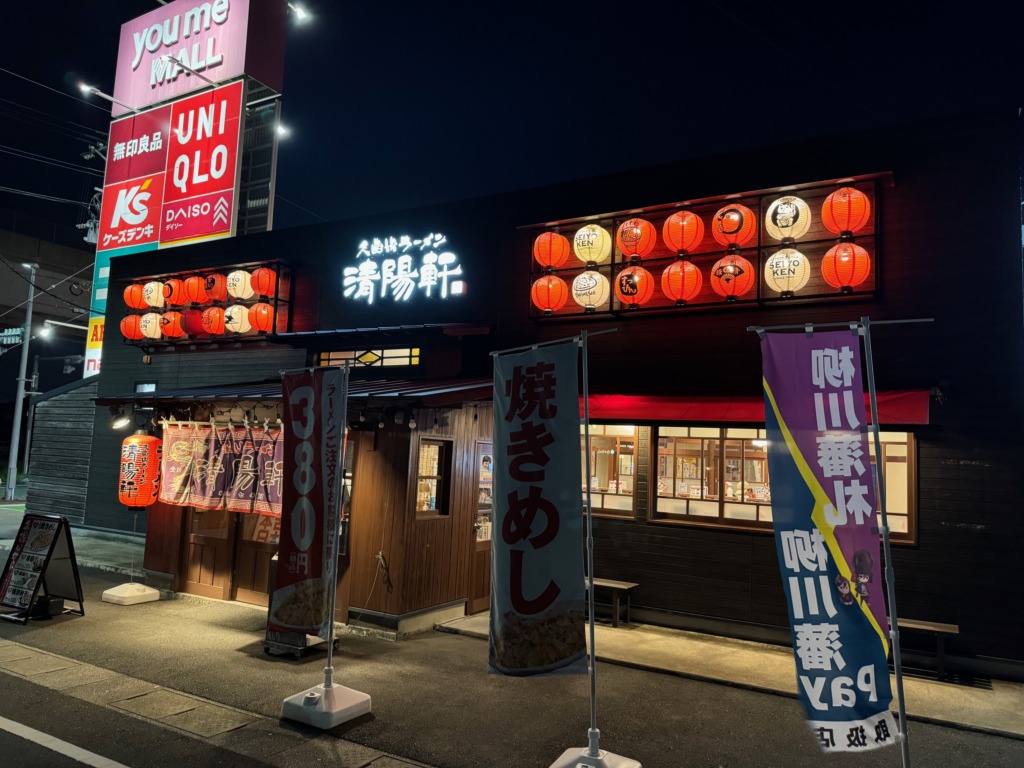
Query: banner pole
[[341, 417], [594, 735], [890, 573]]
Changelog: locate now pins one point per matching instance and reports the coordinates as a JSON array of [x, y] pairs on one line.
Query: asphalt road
[[433, 700]]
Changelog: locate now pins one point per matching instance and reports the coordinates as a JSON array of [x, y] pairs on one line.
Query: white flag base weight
[[581, 758], [130, 594], [325, 708]]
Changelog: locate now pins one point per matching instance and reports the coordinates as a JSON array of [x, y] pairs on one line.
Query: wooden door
[[208, 553], [257, 540], [480, 552]]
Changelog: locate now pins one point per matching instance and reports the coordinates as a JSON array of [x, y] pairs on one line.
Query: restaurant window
[[433, 477], [371, 358], [719, 476], [613, 462]]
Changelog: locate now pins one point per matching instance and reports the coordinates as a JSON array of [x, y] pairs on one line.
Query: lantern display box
[[808, 243], [205, 306]]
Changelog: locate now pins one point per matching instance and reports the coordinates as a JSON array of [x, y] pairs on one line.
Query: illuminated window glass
[[613, 454], [433, 470], [372, 358]]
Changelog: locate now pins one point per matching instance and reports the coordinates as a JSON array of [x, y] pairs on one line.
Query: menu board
[[42, 558]]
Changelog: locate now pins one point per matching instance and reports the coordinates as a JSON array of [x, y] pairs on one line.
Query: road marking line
[[56, 745]]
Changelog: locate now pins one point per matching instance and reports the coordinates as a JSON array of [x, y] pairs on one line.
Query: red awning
[[903, 406]]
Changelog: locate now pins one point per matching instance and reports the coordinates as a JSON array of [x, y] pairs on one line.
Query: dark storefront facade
[[681, 493]]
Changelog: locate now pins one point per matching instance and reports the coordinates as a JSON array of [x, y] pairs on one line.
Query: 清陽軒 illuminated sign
[[398, 268]]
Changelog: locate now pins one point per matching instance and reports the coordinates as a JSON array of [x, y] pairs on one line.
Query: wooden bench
[[936, 628], [618, 588]]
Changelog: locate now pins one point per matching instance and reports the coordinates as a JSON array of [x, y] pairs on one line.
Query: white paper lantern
[[592, 244], [149, 324], [787, 271], [153, 294], [590, 290], [788, 217], [239, 285], [236, 319]]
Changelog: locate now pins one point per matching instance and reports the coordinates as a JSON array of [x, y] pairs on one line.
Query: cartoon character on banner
[[862, 565], [843, 587]]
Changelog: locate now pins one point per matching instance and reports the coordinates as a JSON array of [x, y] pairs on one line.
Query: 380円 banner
[[537, 588], [826, 535]]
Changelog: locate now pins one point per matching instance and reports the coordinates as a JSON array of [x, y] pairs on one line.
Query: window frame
[[598, 496], [443, 499]]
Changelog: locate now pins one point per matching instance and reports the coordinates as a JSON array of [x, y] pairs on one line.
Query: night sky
[[395, 105]]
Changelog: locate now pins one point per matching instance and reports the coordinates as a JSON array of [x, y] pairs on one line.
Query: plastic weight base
[[579, 758], [325, 708], [130, 594]]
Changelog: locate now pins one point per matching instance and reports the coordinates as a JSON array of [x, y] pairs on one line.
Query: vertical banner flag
[[537, 587], [826, 535], [314, 426]]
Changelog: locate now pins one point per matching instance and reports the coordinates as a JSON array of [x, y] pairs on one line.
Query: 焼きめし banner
[[537, 589], [826, 535], [314, 427]]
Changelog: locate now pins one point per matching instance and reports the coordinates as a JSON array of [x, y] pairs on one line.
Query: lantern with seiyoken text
[[551, 249], [681, 281], [634, 286], [592, 244], [135, 297], [549, 294], [150, 324], [845, 266], [636, 237], [261, 317], [732, 277], [236, 319], [734, 225], [263, 281], [153, 294], [131, 328], [239, 284], [787, 271], [846, 210], [590, 290], [139, 480], [683, 231]]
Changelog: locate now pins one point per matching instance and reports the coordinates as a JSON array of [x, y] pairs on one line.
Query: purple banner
[[826, 534]]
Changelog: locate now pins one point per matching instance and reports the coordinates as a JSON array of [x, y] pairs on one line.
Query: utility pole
[[12, 459]]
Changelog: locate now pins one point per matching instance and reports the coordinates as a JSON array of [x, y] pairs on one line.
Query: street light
[[12, 459], [170, 59], [47, 328], [89, 89], [301, 14]]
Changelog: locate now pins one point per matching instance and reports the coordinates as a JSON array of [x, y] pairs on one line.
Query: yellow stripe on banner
[[821, 500]]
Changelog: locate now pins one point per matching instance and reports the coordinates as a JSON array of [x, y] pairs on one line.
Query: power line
[[45, 118], [286, 200], [39, 196], [35, 287], [62, 93], [49, 161]]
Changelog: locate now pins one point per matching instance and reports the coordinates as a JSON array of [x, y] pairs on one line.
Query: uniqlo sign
[[171, 173]]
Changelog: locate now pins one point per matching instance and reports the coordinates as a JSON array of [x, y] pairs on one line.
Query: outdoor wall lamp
[[118, 418]]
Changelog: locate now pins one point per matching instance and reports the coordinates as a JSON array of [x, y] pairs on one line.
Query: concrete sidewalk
[[985, 706]]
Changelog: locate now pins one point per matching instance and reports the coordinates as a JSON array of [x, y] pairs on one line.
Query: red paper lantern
[[636, 237], [734, 225], [732, 276], [139, 481], [174, 292], [171, 325], [845, 266], [135, 297], [131, 327], [634, 286], [551, 249], [263, 281], [216, 287], [845, 210], [192, 322], [261, 317], [681, 281], [213, 321], [195, 290], [549, 294], [683, 231]]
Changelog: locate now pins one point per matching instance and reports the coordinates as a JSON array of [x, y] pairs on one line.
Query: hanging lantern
[[153, 294], [261, 317], [174, 292], [732, 276], [236, 319], [845, 210], [149, 324], [787, 271], [172, 325], [213, 321], [636, 237], [551, 249], [135, 297], [592, 244], [239, 285], [192, 322], [683, 231], [195, 290], [264, 281], [131, 328], [845, 266], [139, 481], [634, 286], [733, 225], [549, 293], [216, 287], [590, 290], [681, 281], [788, 218]]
